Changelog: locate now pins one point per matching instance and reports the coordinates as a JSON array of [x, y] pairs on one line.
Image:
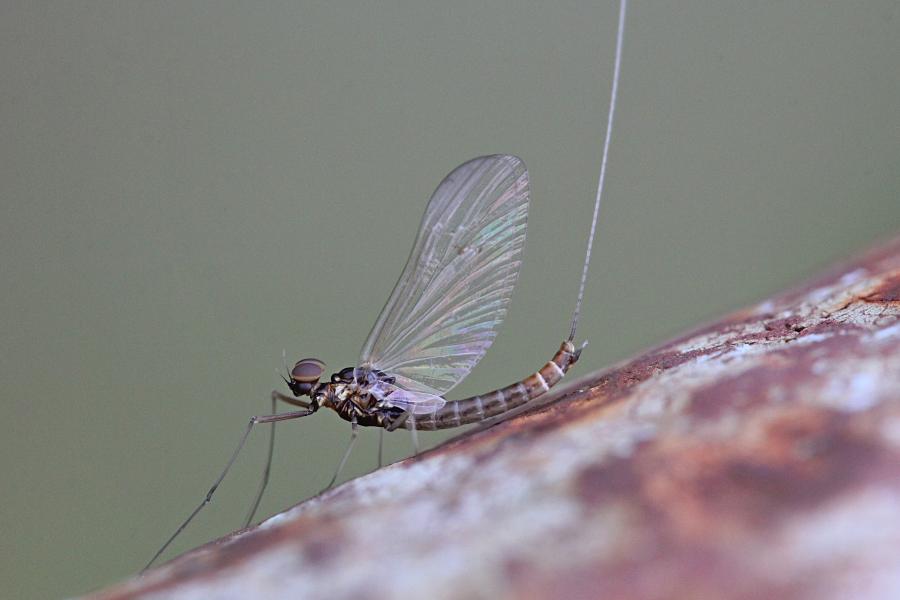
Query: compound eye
[[347, 374], [307, 370]]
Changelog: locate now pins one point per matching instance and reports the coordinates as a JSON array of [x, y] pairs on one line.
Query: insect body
[[366, 403]]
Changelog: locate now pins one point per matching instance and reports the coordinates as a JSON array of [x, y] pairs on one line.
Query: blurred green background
[[188, 188]]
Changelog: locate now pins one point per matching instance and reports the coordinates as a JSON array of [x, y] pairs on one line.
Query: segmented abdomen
[[478, 408]]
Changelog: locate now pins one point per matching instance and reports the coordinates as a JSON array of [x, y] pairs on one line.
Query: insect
[[439, 320], [443, 313]]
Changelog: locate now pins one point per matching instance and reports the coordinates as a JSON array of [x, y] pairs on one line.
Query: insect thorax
[[352, 401]]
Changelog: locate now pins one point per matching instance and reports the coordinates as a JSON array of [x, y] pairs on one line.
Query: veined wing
[[454, 291], [418, 403]]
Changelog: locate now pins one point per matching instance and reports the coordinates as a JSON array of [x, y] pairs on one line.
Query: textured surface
[[757, 457]]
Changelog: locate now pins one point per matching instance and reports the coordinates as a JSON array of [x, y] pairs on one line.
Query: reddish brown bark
[[758, 457]]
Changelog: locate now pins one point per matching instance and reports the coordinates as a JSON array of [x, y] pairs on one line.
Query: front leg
[[276, 395]]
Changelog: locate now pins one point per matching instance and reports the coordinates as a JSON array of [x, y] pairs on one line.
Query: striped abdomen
[[478, 408]]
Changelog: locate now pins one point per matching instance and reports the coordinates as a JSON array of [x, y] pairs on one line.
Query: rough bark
[[758, 457]]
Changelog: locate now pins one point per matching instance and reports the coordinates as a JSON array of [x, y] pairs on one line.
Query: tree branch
[[758, 457]]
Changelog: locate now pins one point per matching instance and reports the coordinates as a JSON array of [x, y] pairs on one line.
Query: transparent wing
[[418, 403], [453, 293]]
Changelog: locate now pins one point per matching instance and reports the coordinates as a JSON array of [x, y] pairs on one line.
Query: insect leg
[[380, 447], [215, 485], [353, 433], [265, 477], [415, 436], [400, 422], [276, 395]]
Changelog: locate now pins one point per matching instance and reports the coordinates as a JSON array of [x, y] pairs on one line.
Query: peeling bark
[[758, 457]]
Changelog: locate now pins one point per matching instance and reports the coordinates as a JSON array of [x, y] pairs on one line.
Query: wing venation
[[444, 311]]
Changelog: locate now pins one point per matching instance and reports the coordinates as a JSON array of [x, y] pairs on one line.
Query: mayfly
[[441, 317]]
